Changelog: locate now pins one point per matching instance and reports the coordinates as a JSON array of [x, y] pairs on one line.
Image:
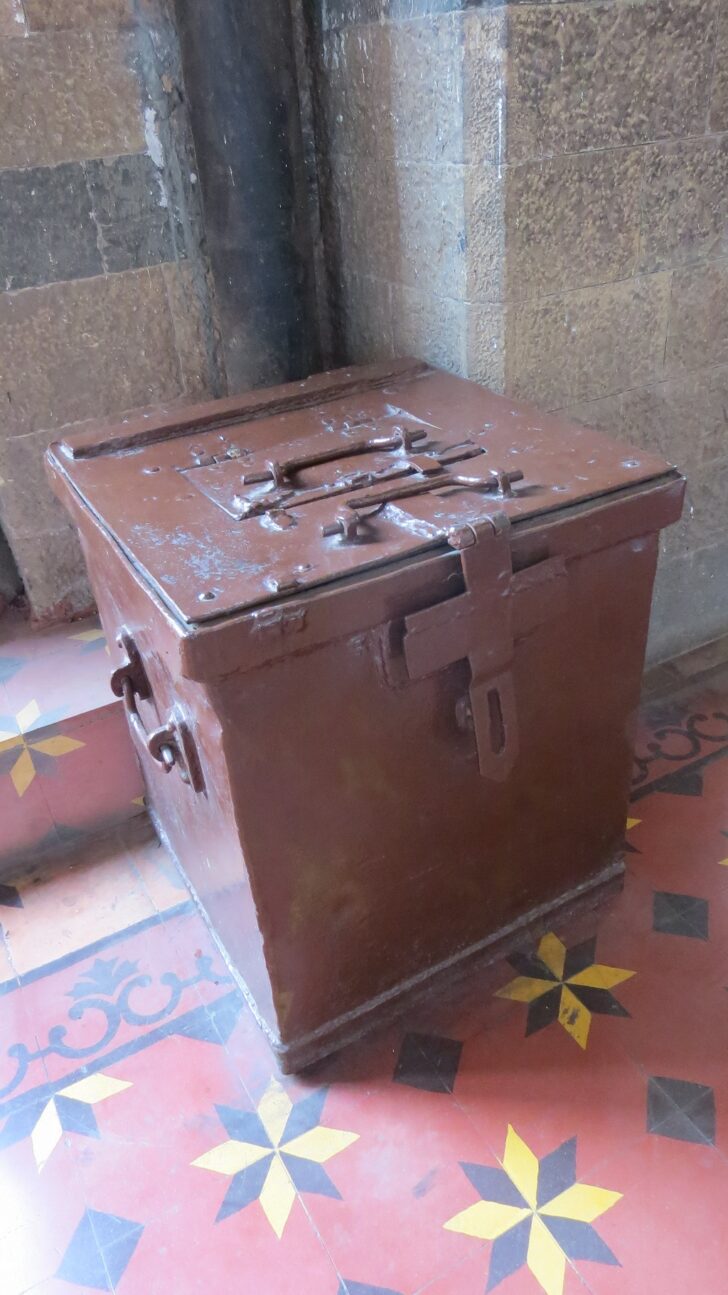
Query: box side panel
[[198, 825], [376, 849]]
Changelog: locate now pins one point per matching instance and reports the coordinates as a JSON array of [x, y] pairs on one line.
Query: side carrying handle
[[160, 742], [171, 744]]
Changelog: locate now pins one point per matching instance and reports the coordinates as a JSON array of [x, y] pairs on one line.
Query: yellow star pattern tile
[[69, 1110], [275, 1152], [565, 985], [93, 640], [20, 743], [88, 636], [539, 1215]]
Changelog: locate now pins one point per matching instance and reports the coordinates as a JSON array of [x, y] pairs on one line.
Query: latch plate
[[476, 626]]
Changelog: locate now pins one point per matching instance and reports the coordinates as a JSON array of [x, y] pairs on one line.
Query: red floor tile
[[39, 1212], [70, 680], [26, 820], [469, 1278], [240, 1251], [66, 758], [97, 783], [133, 1077], [666, 1231]]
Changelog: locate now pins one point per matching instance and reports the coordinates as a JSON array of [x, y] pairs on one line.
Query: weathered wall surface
[[104, 301], [537, 196], [617, 232], [394, 183]]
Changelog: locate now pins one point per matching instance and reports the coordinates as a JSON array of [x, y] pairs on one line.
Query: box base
[[300, 1054], [306, 1052]]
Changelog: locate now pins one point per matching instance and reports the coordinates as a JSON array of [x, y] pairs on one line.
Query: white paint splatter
[[151, 135], [163, 199], [499, 142]]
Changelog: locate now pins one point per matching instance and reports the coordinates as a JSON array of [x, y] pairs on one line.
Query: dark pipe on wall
[[240, 80]]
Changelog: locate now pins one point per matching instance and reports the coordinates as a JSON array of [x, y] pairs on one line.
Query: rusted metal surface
[[397, 676], [186, 492]]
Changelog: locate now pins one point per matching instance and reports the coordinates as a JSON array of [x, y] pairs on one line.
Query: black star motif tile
[[685, 782], [10, 897], [99, 1250], [677, 1108], [9, 666], [76, 1117], [532, 1207], [680, 915], [213, 1025], [428, 1061], [564, 985]]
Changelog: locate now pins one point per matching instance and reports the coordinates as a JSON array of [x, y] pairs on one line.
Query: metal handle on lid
[[286, 495], [280, 473], [496, 482]]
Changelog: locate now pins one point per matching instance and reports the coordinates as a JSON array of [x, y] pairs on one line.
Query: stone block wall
[[618, 190], [393, 162], [104, 295], [536, 195]]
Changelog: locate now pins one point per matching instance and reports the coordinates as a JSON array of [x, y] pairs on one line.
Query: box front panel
[[377, 849]]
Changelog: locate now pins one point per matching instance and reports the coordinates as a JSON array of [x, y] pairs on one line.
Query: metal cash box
[[379, 636]]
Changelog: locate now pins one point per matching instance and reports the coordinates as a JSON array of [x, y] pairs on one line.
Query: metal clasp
[[349, 525], [475, 626]]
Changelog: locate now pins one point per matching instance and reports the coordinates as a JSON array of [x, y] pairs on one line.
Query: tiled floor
[[66, 760], [559, 1125]]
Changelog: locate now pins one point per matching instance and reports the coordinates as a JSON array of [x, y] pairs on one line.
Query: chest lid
[[239, 502]]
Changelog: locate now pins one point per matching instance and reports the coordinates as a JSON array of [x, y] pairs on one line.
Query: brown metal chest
[[379, 636]]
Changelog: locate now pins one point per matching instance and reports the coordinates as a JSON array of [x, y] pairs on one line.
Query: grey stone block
[[685, 203], [572, 221], [10, 582], [54, 575], [698, 334], [718, 119], [430, 327], [345, 13], [86, 349], [691, 595], [65, 96], [588, 343], [46, 229], [685, 419], [130, 207]]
